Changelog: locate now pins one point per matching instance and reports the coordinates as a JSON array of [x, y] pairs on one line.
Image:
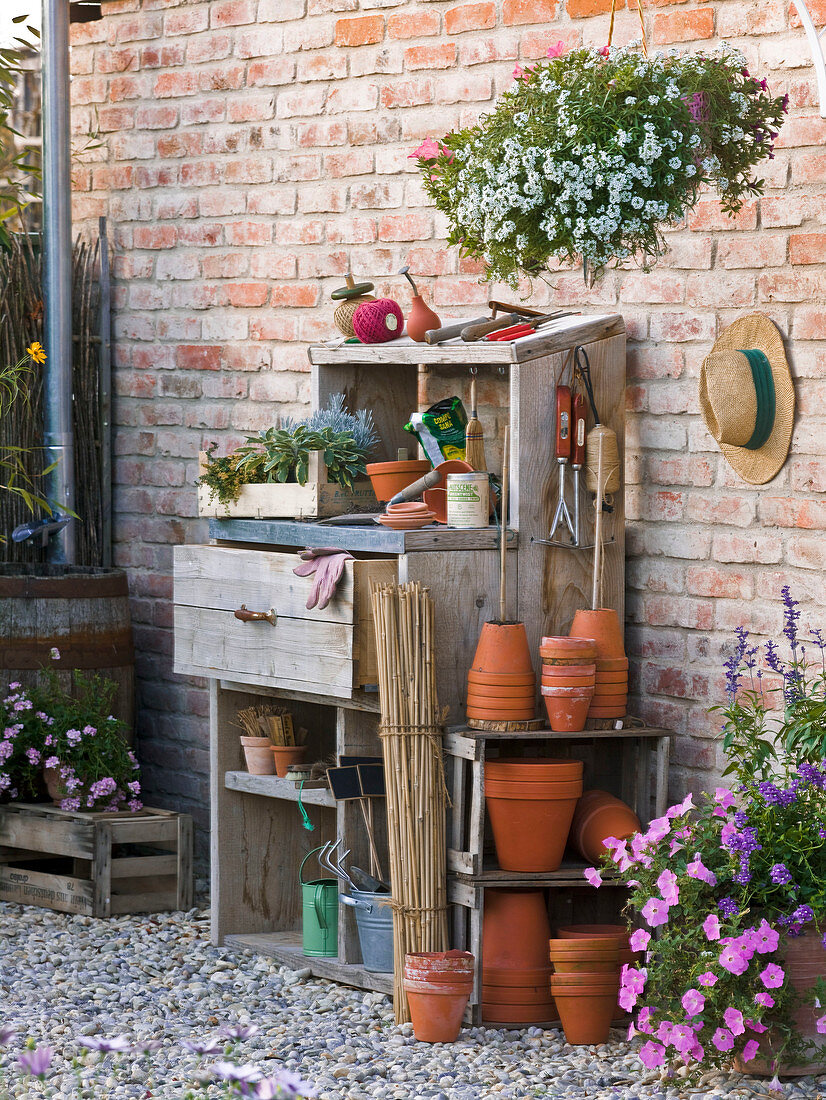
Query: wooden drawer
[[327, 652]]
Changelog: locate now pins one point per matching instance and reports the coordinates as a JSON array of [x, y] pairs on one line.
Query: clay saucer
[[403, 523]]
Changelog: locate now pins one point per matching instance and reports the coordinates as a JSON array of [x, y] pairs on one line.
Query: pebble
[[65, 977]]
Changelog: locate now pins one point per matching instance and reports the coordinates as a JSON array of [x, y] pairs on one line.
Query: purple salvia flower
[[7, 1034], [36, 1062], [118, 1043]]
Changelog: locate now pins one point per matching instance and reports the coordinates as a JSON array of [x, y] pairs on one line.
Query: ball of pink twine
[[379, 321]]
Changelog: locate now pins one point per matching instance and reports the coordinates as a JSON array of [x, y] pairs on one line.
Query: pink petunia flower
[[639, 940], [660, 827], [428, 150], [711, 927], [681, 808], [722, 1039], [772, 977], [820, 1024], [693, 1002], [592, 877], [733, 960], [558, 49], [697, 869], [664, 1032], [750, 1049], [667, 885], [733, 1019], [655, 912], [755, 1025], [765, 938], [518, 72], [723, 797], [644, 1019], [707, 979], [764, 999], [652, 1054], [683, 1038]]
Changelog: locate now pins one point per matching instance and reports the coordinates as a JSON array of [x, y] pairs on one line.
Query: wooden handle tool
[[477, 331], [450, 332]]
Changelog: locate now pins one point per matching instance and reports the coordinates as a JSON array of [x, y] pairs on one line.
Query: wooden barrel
[[82, 612]]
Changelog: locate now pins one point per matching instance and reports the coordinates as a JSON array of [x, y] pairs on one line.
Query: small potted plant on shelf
[[592, 152], [311, 468], [729, 896], [70, 742]]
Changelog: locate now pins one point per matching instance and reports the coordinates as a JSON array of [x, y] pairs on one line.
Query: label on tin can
[[467, 500]]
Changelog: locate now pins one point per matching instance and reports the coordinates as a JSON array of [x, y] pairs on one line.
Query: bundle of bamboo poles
[[414, 774]]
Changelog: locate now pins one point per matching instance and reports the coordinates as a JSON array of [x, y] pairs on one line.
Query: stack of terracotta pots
[[610, 698], [585, 986], [501, 686], [531, 804], [616, 932], [516, 974], [599, 815], [438, 985], [568, 681]]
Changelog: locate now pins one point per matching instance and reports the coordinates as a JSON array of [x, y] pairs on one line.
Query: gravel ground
[[64, 977]]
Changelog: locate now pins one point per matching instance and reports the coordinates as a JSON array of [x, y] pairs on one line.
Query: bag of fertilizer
[[441, 430]]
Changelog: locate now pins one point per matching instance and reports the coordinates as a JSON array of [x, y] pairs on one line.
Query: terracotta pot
[[607, 712], [587, 668], [567, 708], [604, 627], [436, 1009], [54, 784], [502, 691], [568, 681], [501, 713], [495, 679], [533, 768], [439, 966], [400, 523], [389, 478], [600, 953], [804, 960], [567, 649], [503, 649], [599, 815], [258, 755], [519, 995], [421, 318], [612, 664], [617, 932], [436, 500], [515, 930], [611, 697], [530, 821], [286, 756], [495, 976], [618, 677], [586, 1004]]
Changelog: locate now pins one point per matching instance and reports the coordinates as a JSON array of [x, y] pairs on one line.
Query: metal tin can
[[468, 503]]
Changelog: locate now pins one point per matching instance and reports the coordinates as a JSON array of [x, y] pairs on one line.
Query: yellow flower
[[35, 351]]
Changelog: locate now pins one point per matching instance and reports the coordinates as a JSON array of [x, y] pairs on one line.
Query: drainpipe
[[58, 436]]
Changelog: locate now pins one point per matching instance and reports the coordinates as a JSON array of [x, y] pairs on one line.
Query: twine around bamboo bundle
[[414, 774]]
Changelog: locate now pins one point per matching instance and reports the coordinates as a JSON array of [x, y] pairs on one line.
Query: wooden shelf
[[366, 540], [569, 874], [551, 735], [286, 948], [270, 786]]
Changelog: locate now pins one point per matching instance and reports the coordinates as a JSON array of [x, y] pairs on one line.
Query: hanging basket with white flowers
[[592, 152]]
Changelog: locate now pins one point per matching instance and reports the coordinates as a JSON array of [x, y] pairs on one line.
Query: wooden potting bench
[[320, 662]]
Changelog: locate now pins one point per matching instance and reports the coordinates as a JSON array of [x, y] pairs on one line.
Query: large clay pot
[[586, 1004], [557, 672], [439, 966], [804, 960], [389, 478], [599, 815], [599, 953], [503, 650], [530, 819], [258, 755], [534, 768], [501, 691], [496, 679], [604, 627], [438, 986], [617, 932], [565, 649], [567, 708], [515, 930], [501, 713]]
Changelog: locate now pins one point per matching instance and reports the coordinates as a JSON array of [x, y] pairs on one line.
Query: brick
[[407, 93], [752, 251], [172, 85], [732, 289], [658, 286], [188, 20], [358, 97], [807, 248], [584, 9], [517, 12], [441, 56], [360, 31], [470, 17], [301, 101], [322, 67], [787, 210], [197, 357], [722, 584], [413, 24], [783, 512], [754, 549], [683, 326], [461, 88], [270, 73], [315, 134], [246, 294], [231, 13], [406, 227], [683, 26]]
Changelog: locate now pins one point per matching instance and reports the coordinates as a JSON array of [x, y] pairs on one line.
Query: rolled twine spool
[[343, 315], [610, 460], [378, 321]]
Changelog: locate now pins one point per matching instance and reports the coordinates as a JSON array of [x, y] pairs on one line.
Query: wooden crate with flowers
[[94, 849]]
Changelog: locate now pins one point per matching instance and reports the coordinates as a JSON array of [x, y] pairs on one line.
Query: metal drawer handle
[[256, 616]]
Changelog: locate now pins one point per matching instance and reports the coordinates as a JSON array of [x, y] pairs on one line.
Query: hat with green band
[[747, 398]]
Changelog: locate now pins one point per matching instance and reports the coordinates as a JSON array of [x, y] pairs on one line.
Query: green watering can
[[319, 910]]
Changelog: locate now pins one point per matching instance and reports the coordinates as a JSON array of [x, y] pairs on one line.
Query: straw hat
[[747, 398]]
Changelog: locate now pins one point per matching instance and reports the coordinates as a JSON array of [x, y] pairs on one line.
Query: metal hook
[[473, 371]]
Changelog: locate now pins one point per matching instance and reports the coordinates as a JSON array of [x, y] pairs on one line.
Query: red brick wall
[[256, 150]]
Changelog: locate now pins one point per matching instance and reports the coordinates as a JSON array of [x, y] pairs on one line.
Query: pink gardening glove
[[325, 564]]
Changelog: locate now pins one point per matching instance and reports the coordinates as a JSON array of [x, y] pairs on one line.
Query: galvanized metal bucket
[[319, 910], [374, 923]]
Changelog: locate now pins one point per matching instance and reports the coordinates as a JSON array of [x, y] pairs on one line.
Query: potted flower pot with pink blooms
[[728, 891]]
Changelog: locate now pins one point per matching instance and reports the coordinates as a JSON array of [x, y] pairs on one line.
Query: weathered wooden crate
[[318, 499], [98, 864]]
